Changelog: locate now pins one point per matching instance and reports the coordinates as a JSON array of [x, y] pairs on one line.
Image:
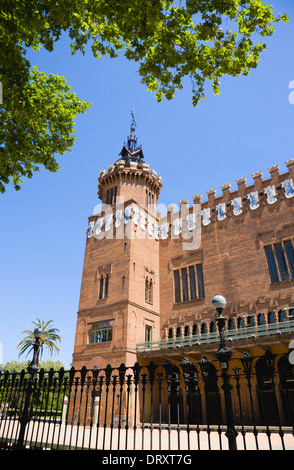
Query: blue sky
[[247, 128]]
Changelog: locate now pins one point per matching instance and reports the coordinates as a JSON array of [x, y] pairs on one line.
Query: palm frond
[[48, 338]]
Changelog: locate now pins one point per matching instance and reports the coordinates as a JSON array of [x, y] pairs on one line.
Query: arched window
[[194, 330], [250, 321], [170, 333], [260, 319], [186, 331], [231, 324], [282, 316], [178, 332], [203, 328], [241, 322], [271, 318], [212, 327]]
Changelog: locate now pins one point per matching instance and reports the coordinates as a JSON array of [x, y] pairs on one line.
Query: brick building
[[149, 279]]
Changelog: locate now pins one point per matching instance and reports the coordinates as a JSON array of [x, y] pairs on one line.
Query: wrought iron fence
[[162, 407]]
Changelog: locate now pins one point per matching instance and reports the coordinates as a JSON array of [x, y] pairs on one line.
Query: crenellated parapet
[[231, 204], [130, 172], [180, 217], [247, 198]]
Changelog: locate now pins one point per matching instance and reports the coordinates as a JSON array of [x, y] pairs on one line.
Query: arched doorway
[[212, 396], [267, 401], [176, 397], [286, 375], [193, 398]]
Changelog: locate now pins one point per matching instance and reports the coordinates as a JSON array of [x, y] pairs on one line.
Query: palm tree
[[49, 338]]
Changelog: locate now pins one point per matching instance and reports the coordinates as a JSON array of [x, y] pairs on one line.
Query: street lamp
[[224, 355], [33, 367]]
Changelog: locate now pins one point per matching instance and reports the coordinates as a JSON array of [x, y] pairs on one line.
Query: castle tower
[[119, 298]]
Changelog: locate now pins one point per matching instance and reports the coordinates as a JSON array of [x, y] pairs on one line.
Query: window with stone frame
[[280, 260], [148, 333], [100, 332], [188, 283]]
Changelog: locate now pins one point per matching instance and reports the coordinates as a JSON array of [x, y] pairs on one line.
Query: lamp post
[[224, 355], [32, 369]]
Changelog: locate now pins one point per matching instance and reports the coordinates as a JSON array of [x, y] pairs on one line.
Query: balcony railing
[[207, 338]]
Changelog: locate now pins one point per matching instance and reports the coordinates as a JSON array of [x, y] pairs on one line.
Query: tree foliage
[[18, 366], [171, 40]]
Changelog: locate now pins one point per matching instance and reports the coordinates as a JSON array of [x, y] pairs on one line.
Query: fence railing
[[153, 407], [213, 337]]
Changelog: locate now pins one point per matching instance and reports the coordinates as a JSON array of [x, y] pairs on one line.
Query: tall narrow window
[[106, 286], [192, 277], [151, 291], [148, 334], [185, 285], [189, 284], [290, 256], [272, 266], [146, 289], [177, 286], [281, 262], [101, 287], [201, 292]]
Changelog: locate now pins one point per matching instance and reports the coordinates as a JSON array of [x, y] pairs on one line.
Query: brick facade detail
[[236, 227]]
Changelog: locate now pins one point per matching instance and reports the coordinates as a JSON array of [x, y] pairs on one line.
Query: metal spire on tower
[[131, 151]]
